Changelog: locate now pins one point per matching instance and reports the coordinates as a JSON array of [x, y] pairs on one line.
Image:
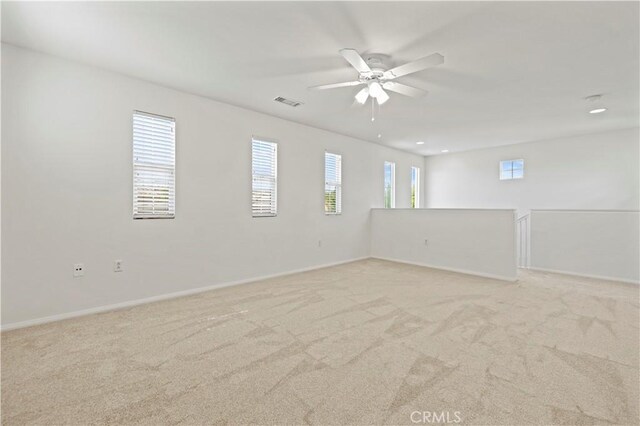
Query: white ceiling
[[513, 72]]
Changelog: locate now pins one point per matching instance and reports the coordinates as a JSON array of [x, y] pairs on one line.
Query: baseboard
[[460, 271], [575, 274], [131, 303]]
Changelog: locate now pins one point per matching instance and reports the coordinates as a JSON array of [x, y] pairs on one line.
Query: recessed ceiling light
[[445, 150], [596, 106], [379, 135], [419, 143]]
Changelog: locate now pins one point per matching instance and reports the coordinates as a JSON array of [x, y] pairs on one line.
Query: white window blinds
[[332, 183], [154, 162], [264, 165]]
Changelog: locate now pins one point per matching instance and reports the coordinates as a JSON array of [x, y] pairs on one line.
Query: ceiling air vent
[[287, 101]]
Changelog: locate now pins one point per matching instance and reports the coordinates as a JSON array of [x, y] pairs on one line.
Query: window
[[389, 185], [511, 169], [154, 163], [332, 183], [415, 187], [264, 169]]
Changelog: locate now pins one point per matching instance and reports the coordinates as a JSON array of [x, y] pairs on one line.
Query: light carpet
[[370, 342]]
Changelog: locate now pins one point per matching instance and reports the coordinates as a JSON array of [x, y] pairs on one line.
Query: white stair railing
[[522, 233]]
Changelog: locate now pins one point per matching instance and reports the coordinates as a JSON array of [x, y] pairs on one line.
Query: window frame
[[392, 200], [274, 212], [337, 184], [510, 171], [137, 164]]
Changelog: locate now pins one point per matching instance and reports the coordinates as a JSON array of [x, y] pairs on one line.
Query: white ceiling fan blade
[[335, 85], [415, 66], [403, 89], [354, 58]]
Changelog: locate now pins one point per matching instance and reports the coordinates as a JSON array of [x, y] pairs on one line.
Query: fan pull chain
[[373, 109]]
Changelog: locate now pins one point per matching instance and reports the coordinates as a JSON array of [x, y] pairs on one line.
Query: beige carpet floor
[[369, 342]]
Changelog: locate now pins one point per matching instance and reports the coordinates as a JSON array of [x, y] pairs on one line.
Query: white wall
[[600, 244], [480, 242], [597, 171], [66, 192]]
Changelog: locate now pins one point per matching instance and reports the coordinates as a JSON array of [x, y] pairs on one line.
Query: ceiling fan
[[375, 73]]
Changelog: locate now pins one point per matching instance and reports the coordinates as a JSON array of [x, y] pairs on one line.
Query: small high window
[[511, 169]]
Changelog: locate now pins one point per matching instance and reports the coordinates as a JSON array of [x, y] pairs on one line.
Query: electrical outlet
[[117, 266], [78, 270]]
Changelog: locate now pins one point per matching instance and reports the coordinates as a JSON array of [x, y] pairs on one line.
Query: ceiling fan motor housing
[[378, 63]]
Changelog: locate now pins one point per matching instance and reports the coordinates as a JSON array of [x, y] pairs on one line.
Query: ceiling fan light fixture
[[375, 89], [362, 96], [382, 97]]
